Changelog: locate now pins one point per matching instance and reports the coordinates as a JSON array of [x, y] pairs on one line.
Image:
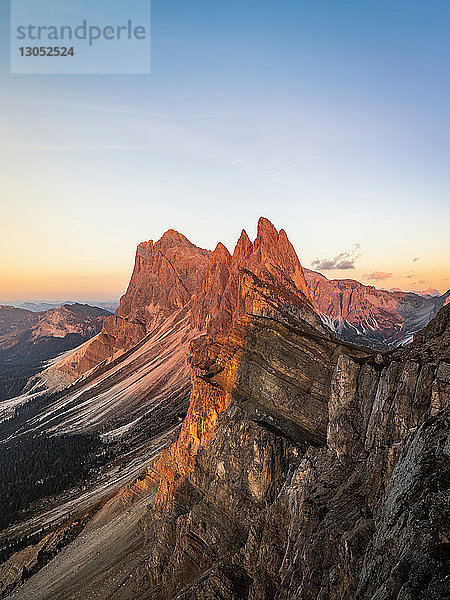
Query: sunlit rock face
[[367, 315], [248, 301], [164, 277], [173, 278], [305, 469]]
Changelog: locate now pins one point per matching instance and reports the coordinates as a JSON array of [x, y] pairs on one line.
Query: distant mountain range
[[41, 306], [366, 315], [28, 339]]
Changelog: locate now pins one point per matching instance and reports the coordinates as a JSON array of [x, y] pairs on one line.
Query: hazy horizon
[[331, 119], [341, 273]]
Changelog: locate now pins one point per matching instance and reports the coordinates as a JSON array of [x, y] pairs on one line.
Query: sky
[[329, 118]]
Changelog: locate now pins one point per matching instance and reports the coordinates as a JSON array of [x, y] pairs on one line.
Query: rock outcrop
[[306, 469]]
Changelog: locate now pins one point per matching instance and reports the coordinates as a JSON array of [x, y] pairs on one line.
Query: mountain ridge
[[369, 315], [299, 461], [173, 273], [218, 403], [28, 339]]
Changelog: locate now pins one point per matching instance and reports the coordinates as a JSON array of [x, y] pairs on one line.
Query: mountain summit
[[173, 278]]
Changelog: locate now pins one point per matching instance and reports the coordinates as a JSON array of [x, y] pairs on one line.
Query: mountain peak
[[146, 245], [175, 237], [266, 229], [220, 254], [243, 247]]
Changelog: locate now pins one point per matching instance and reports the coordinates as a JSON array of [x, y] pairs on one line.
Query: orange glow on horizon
[[29, 284]]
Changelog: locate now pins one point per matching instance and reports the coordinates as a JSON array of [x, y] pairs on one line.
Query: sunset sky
[[329, 118]]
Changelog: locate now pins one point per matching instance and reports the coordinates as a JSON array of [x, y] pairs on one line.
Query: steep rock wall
[[355, 509]]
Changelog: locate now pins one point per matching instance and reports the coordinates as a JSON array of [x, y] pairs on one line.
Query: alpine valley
[[240, 429]]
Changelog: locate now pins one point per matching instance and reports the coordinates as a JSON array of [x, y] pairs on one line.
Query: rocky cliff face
[[173, 278], [305, 467], [364, 314], [177, 292], [136, 380], [164, 277]]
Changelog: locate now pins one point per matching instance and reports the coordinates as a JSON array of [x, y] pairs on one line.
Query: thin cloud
[[379, 276], [343, 261]]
